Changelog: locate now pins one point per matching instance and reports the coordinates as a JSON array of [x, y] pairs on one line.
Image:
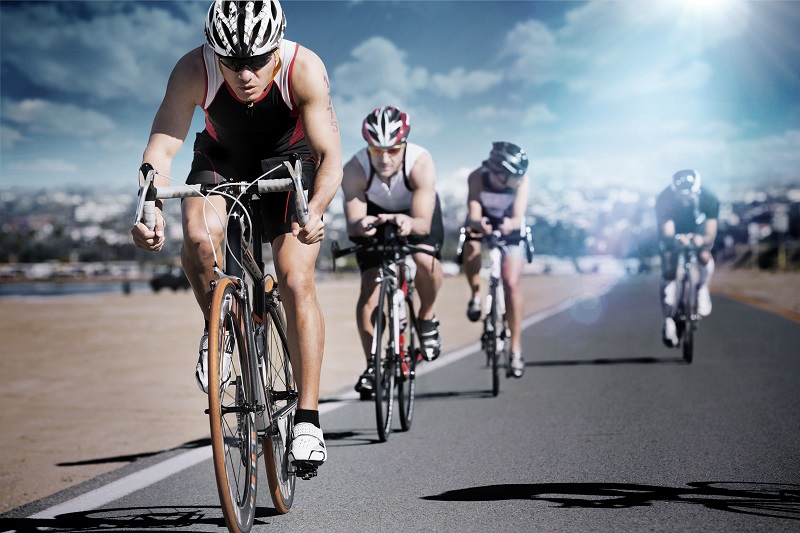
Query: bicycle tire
[[281, 396], [689, 310], [494, 333], [384, 361], [233, 431], [407, 377]]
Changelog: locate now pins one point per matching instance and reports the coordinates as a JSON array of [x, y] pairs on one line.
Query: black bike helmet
[[508, 158], [686, 182], [386, 127], [244, 29]]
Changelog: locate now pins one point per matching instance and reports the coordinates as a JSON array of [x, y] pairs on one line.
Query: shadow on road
[[776, 500], [162, 519], [199, 443], [610, 361]]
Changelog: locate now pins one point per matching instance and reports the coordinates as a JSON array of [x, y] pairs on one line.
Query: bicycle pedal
[[305, 470]]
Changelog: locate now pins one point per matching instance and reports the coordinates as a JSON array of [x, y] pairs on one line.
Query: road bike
[[687, 279], [496, 335], [396, 349], [252, 395]]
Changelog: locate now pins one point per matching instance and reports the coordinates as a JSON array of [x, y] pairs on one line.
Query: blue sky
[[618, 92]]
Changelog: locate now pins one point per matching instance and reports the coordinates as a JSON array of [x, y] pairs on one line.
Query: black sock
[[206, 330], [306, 415]]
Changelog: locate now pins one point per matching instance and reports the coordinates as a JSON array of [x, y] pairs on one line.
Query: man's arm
[[354, 184], [519, 208], [475, 221], [422, 179], [185, 90], [311, 91]]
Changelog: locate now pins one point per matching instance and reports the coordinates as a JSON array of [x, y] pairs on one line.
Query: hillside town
[[73, 233]]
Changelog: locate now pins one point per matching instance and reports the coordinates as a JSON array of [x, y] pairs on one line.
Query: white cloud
[[9, 137], [378, 66], [45, 165], [459, 82], [44, 117], [532, 115], [116, 52], [612, 51], [533, 49], [538, 114]]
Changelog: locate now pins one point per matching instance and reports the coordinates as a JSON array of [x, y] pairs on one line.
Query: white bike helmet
[[386, 127], [686, 182], [244, 29]]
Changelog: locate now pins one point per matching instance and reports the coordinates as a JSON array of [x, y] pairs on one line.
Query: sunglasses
[[377, 151], [505, 176], [254, 63]]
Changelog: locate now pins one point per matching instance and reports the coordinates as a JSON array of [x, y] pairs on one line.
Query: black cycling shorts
[[212, 164], [367, 260]]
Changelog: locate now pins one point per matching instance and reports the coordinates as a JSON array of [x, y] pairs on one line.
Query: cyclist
[[497, 200], [263, 97], [689, 211], [391, 181]]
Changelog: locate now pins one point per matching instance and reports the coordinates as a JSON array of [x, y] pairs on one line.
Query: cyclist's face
[[504, 179], [387, 162], [250, 81]]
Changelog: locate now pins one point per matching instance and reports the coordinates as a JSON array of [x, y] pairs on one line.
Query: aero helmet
[[508, 158], [686, 182], [244, 29], [385, 127]]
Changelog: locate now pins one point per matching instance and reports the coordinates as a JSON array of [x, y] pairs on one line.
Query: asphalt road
[[607, 431]]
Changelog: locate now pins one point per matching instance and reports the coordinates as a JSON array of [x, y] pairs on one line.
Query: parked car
[[172, 278]]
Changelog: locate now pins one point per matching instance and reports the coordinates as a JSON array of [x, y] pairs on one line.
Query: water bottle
[[400, 308]]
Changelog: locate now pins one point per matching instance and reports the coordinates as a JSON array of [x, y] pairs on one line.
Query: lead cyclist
[[685, 211], [265, 98]]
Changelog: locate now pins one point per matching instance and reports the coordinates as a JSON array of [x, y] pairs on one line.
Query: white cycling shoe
[[307, 450], [517, 367], [669, 333], [201, 371], [703, 301]]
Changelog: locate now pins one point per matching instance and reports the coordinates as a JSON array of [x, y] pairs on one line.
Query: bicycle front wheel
[[690, 309], [281, 396], [406, 378], [230, 397], [383, 357], [492, 332]]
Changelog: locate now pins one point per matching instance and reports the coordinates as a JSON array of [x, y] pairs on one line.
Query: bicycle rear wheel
[[281, 397], [407, 379], [232, 420], [383, 357]]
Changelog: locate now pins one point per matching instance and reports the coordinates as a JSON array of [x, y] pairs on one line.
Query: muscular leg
[[197, 253], [365, 308], [294, 265], [515, 302], [428, 281]]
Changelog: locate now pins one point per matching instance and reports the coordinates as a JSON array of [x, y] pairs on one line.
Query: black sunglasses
[[253, 63]]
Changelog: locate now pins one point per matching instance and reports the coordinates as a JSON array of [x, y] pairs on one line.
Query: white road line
[[153, 474], [124, 486]]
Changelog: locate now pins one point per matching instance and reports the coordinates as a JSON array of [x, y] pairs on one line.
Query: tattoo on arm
[[334, 123]]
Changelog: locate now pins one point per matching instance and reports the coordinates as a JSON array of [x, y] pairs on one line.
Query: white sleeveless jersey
[[396, 196]]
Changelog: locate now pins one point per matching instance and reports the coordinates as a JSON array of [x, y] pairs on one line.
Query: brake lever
[[301, 204]]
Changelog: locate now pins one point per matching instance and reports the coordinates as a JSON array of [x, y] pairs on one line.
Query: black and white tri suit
[[238, 136], [393, 198], [497, 204]]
